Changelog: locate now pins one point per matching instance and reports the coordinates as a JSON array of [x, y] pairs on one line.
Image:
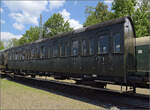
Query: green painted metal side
[[143, 58]]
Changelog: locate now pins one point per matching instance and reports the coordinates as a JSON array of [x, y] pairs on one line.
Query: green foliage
[[30, 35], [141, 19], [97, 14], [123, 8], [13, 43], [55, 25], [1, 45], [139, 11]]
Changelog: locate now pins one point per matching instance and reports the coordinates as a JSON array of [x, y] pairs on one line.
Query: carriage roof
[[143, 41], [88, 28]]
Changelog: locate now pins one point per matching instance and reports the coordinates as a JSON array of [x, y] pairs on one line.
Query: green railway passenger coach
[[103, 52], [143, 56]]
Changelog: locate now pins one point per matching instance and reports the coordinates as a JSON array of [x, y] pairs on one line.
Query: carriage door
[[75, 56], [103, 61]]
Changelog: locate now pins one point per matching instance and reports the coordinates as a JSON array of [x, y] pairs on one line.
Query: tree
[[1, 45], [13, 43], [30, 35], [97, 14], [123, 8], [139, 11], [55, 25], [141, 19]]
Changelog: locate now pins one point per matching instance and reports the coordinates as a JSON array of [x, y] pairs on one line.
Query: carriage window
[[103, 43], [117, 43], [42, 53], [19, 54], [32, 53], [62, 50], [23, 56], [35, 53], [49, 52], [75, 47], [16, 56], [46, 52], [55, 51], [38, 53], [84, 48], [67, 49], [91, 47], [29, 54]]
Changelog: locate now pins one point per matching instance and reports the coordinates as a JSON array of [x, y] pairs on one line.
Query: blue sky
[[19, 16]]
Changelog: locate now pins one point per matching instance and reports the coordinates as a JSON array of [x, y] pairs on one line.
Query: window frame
[[102, 37], [53, 48], [62, 49], [68, 48], [73, 40], [113, 44], [87, 47], [49, 51]]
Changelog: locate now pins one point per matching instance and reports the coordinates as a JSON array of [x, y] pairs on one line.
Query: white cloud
[[108, 1], [18, 26], [2, 21], [5, 36], [73, 23], [26, 12], [1, 10], [25, 18], [31, 7], [65, 14], [56, 4]]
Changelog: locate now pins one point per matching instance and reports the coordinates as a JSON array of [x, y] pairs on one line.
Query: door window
[[49, 52], [103, 44], [75, 47], [62, 50], [117, 43], [91, 47], [67, 48], [55, 51], [84, 48]]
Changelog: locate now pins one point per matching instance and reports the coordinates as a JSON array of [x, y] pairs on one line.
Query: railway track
[[98, 96]]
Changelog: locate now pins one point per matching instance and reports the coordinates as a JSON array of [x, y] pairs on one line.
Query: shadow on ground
[[83, 95]]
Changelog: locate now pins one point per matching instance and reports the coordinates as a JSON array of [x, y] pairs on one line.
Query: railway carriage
[[102, 52], [2, 67], [143, 59]]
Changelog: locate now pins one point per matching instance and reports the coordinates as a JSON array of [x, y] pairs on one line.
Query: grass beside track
[[15, 96]]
